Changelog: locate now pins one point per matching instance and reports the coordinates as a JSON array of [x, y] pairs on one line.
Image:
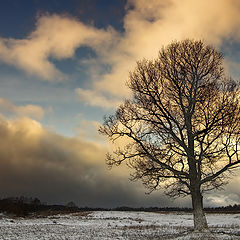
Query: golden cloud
[[95, 98], [55, 36], [151, 24], [28, 110], [37, 162], [40, 163]]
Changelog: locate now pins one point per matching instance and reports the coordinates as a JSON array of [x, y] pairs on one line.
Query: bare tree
[[182, 124]]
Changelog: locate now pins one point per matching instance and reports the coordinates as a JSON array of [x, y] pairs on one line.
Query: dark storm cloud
[[229, 195], [39, 163]]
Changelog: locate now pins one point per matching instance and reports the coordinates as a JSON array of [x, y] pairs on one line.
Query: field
[[117, 225]]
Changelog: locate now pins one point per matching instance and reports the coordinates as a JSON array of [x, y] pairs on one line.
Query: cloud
[[88, 130], [232, 68], [55, 37], [94, 98], [28, 110], [151, 24], [228, 196], [148, 25], [40, 163]]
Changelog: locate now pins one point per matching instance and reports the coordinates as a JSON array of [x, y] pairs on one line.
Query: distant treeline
[[223, 209], [23, 206]]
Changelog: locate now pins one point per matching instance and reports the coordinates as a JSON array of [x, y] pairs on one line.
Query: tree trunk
[[200, 221]]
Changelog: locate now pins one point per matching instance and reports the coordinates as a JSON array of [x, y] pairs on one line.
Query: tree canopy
[[182, 122]]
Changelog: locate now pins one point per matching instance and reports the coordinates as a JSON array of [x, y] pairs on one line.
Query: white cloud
[[28, 110], [55, 37], [94, 98]]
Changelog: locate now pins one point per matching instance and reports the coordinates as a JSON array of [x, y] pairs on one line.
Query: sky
[[63, 67]]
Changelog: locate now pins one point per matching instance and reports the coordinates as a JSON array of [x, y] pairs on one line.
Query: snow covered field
[[117, 225]]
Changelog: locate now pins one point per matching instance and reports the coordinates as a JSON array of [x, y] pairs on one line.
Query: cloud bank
[[40, 163], [37, 162]]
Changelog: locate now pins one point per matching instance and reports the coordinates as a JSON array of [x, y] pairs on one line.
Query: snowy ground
[[117, 225]]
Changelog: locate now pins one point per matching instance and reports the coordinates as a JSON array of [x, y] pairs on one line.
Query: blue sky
[[63, 66], [23, 13]]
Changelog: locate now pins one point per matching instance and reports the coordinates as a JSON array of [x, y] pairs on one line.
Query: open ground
[[104, 225]]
